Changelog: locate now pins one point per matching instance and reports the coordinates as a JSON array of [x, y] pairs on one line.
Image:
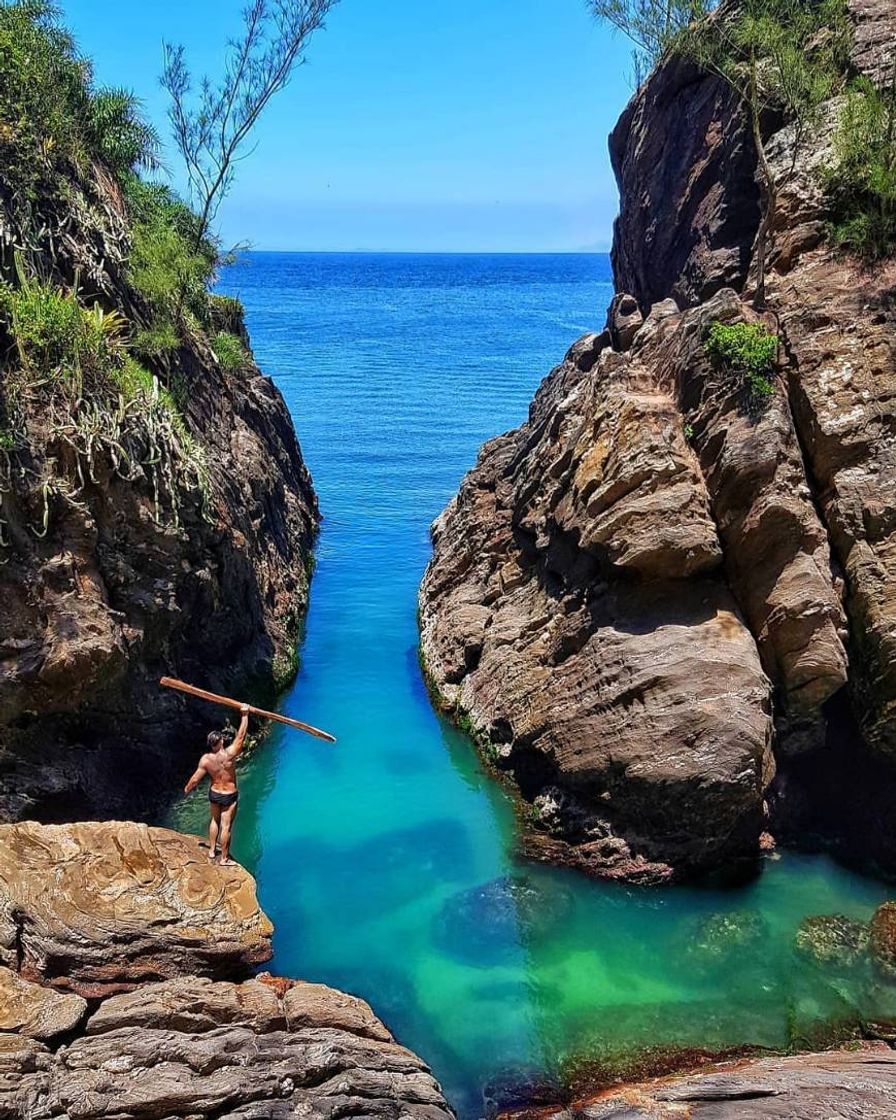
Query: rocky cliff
[[115, 568], [126, 990], [666, 613]]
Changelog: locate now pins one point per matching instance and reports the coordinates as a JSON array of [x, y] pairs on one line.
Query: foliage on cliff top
[[788, 56], [67, 367], [51, 111], [657, 26]]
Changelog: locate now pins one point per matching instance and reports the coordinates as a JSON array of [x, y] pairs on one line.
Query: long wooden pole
[[213, 698]]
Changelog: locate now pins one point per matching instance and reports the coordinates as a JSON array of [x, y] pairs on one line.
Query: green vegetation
[[748, 352], [76, 370], [51, 112], [72, 364], [156, 341], [55, 336], [225, 310], [229, 351], [861, 184], [166, 267]]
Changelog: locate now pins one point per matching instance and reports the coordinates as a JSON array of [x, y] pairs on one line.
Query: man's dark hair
[[214, 737]]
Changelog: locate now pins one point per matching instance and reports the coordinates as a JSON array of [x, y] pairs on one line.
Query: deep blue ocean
[[387, 862]]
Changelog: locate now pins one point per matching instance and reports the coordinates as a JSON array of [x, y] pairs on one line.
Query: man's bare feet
[[212, 855], [222, 862]]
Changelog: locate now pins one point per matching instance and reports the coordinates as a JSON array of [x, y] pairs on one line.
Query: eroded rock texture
[[98, 908], [660, 590], [843, 1084], [191, 1048], [108, 583], [107, 910]]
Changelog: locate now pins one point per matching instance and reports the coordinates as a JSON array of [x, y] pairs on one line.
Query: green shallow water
[[387, 863]]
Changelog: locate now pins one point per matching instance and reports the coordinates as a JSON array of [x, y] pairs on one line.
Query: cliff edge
[[126, 989]]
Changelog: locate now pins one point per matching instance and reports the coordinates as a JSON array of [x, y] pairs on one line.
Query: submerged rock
[[98, 908], [489, 922], [832, 941], [721, 936]]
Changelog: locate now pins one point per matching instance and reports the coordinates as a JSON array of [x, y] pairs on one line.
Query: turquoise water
[[387, 862]]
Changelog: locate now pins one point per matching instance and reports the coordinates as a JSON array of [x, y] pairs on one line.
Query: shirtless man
[[219, 763]]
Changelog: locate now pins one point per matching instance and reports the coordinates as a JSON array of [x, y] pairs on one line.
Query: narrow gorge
[[607, 830]]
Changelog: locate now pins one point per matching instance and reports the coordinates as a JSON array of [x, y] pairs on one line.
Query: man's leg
[[213, 827], [227, 818]]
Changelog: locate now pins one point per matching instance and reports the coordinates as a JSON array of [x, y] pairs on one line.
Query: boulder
[[883, 938], [624, 320], [37, 1012], [99, 908]]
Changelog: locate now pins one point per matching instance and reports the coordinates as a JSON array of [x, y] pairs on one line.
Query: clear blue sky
[[474, 125]]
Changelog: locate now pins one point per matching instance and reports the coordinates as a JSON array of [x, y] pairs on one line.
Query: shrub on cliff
[[229, 351], [74, 373], [50, 110], [861, 184], [748, 352], [166, 266]]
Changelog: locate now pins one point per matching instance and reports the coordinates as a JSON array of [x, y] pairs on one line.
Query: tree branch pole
[[227, 702]]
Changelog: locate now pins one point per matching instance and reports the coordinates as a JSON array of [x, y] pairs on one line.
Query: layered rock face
[[805, 1087], [100, 908], [659, 591], [219, 1044], [111, 578]]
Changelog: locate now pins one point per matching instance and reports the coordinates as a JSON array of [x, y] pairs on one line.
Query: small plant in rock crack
[[747, 351]]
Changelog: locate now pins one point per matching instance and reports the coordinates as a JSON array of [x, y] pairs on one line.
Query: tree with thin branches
[[211, 124], [784, 56]]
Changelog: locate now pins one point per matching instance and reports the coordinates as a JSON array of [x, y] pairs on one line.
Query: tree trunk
[[769, 191]]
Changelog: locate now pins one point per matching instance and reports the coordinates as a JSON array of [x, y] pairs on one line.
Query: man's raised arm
[[196, 779], [240, 739]]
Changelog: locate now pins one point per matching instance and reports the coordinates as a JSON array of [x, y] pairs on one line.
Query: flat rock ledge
[[92, 916], [839, 1085], [100, 908]]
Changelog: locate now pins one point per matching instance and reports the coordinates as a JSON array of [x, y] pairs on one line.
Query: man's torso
[[221, 770]]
